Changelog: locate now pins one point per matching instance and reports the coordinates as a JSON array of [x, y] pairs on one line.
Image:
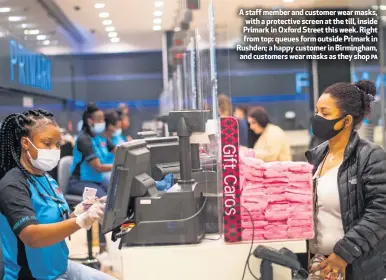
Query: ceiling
[[35, 18], [133, 21]]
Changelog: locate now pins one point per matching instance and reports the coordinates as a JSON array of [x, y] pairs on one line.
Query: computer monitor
[[129, 179], [164, 157]]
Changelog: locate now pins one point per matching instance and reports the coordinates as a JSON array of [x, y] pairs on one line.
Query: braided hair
[[15, 127]]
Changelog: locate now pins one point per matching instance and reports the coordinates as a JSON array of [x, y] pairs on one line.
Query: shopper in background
[[34, 216], [224, 106], [350, 185], [272, 144], [240, 115]]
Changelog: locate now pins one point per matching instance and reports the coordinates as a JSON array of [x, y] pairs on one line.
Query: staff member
[[114, 128], [272, 143], [114, 134], [91, 151], [34, 218], [350, 185]]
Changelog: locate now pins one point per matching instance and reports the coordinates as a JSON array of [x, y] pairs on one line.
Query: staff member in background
[[350, 179], [224, 106], [34, 216], [240, 115], [125, 120], [113, 132], [272, 144], [90, 153]]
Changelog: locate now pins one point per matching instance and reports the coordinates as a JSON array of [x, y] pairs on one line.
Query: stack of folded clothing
[[279, 199]]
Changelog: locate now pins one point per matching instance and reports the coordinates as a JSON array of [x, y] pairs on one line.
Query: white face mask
[[99, 128], [46, 160], [118, 132]]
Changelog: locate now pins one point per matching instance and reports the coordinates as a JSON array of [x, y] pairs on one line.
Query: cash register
[[136, 212]]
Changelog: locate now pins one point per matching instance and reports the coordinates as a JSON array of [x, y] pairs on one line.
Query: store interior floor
[[78, 249]]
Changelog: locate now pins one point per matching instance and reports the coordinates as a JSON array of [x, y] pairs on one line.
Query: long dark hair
[[91, 108], [15, 127]]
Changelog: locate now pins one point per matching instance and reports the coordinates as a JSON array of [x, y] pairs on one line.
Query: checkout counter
[[165, 235], [208, 260]]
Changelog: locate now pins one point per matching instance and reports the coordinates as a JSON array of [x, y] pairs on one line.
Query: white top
[[329, 226]]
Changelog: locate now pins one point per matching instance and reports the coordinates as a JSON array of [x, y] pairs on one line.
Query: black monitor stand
[[176, 216]]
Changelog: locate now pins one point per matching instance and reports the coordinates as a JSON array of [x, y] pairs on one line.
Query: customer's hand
[[93, 214], [333, 266]]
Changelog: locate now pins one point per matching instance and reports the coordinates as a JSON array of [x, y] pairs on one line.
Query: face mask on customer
[[47, 159], [324, 129]]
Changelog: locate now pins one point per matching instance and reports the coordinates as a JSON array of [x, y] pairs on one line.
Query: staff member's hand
[[333, 266], [102, 199], [95, 213]]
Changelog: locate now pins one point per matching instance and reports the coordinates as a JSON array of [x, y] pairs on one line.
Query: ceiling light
[[15, 18], [99, 5], [156, 27], [46, 42], [107, 22], [104, 15], [5, 10], [114, 40], [288, 1], [31, 32], [41, 37], [177, 29], [382, 7], [158, 13], [374, 7], [158, 4], [157, 21], [110, 28], [113, 34]]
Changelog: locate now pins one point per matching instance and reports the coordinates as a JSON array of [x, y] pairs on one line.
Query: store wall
[[26, 73]]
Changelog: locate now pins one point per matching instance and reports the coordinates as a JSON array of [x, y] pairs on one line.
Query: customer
[[224, 106], [272, 144], [34, 216], [350, 182], [240, 115]]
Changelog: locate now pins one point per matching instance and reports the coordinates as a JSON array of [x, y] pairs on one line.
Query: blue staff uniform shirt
[[115, 140], [21, 205], [87, 148]]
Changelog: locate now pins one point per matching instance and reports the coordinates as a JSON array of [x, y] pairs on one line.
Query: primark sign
[[29, 69]]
